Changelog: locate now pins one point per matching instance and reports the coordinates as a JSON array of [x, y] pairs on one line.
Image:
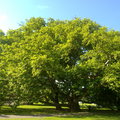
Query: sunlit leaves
[[71, 57]]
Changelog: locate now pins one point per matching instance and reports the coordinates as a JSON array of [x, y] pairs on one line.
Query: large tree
[[67, 61]]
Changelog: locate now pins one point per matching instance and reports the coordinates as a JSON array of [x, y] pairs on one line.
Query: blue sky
[[104, 12]]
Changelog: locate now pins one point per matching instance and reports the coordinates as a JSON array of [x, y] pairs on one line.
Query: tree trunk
[[74, 104], [56, 101], [55, 91]]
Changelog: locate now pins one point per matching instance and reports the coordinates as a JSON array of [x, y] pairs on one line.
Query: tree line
[[60, 62]]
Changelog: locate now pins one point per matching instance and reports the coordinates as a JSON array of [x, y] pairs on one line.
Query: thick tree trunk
[[74, 104]]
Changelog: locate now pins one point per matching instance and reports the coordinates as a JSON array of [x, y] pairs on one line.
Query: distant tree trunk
[[56, 101], [55, 91]]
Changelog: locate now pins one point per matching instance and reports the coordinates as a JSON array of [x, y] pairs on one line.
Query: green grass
[[31, 110], [50, 110], [39, 109]]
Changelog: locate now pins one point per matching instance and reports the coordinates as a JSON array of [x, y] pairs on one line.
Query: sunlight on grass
[[34, 106]]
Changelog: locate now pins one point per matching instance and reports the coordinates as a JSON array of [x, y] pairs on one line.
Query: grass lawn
[[58, 115], [31, 110]]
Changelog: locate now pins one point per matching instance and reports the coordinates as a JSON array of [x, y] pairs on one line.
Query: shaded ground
[[64, 115], [17, 116], [44, 115], [23, 116]]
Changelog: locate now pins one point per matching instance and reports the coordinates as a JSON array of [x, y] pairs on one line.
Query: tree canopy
[[58, 61]]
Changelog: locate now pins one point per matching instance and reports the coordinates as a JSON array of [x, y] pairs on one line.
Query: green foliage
[[67, 61], [1, 33]]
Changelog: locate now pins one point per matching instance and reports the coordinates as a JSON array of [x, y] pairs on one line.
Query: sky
[[104, 12]]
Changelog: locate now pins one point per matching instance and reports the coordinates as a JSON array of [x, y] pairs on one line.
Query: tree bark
[[74, 104]]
